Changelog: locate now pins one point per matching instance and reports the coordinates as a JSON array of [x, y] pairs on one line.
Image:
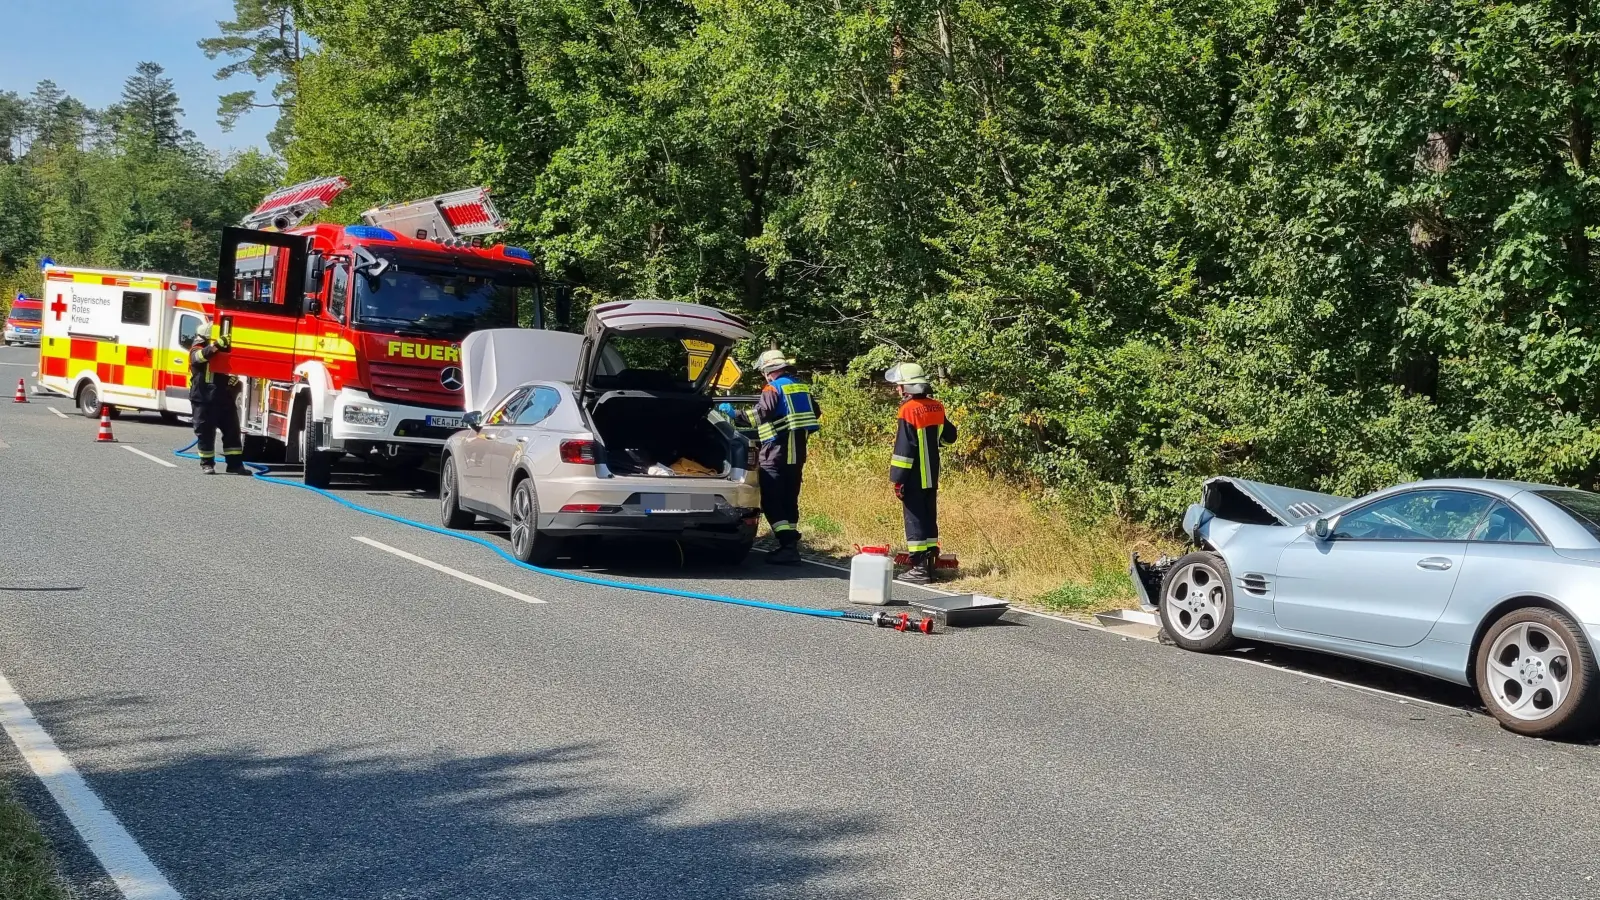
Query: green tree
[[263, 39], [149, 115]]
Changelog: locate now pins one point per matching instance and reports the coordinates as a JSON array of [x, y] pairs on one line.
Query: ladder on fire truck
[[456, 218]]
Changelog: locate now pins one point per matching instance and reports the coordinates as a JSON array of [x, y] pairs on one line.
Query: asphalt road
[[276, 710]]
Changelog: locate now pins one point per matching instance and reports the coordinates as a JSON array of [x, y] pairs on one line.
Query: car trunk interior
[[661, 434]]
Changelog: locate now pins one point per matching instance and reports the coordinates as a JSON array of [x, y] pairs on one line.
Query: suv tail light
[[589, 508], [583, 453]]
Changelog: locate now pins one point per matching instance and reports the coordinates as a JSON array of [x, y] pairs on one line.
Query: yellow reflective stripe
[[286, 342], [922, 456], [918, 546], [766, 432], [900, 462], [782, 526], [792, 455]]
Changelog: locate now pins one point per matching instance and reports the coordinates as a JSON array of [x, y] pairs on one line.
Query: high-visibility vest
[[794, 414]]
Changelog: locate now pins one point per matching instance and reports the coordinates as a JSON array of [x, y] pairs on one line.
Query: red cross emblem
[[58, 307]]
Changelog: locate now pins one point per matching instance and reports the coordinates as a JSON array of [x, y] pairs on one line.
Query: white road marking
[[470, 579], [155, 459], [132, 871], [20, 365], [59, 413]]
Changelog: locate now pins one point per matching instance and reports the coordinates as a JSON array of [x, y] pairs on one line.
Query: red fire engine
[[348, 338]]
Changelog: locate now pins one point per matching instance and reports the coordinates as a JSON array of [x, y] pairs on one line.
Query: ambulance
[[121, 338]]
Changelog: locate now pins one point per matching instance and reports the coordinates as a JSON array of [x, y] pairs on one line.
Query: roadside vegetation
[[1332, 245], [27, 869]]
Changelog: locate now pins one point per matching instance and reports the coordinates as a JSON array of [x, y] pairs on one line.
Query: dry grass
[[27, 870], [1010, 544]]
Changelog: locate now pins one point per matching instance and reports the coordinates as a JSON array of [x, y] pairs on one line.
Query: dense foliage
[[1331, 243], [125, 187]]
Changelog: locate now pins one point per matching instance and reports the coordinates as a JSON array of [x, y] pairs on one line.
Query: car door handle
[[522, 440], [1437, 563]]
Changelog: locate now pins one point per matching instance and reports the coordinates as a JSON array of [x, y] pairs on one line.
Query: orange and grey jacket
[[922, 428]]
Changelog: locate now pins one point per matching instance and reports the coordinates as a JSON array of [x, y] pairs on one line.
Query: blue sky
[[89, 47]]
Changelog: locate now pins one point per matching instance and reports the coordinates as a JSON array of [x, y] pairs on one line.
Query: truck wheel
[[316, 467], [89, 400], [527, 544], [450, 497], [169, 417]]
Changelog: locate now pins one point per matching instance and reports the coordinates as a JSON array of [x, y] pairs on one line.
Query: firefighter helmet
[[772, 361], [906, 373]]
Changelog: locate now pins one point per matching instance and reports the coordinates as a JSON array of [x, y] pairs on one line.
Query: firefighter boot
[[788, 552], [207, 468], [921, 571], [237, 468]]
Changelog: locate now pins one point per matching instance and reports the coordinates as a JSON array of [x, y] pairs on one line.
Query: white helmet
[[906, 374], [772, 361]]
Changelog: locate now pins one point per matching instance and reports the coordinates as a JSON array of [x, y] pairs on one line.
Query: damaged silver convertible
[[1491, 584]]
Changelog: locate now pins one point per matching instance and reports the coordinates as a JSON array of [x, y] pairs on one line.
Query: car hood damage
[[1256, 503]]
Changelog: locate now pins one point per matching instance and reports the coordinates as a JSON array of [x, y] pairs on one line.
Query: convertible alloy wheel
[[1197, 603], [1535, 673], [1530, 671]]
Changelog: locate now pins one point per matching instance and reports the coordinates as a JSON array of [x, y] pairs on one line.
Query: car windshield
[[27, 315], [1582, 506], [424, 297]]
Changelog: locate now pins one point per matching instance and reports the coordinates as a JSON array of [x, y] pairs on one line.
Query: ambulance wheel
[[169, 417], [450, 497], [89, 400]]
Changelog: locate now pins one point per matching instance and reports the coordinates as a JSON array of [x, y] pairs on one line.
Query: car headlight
[[366, 415]]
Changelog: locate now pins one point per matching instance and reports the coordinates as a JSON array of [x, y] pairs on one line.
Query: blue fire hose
[[900, 622]]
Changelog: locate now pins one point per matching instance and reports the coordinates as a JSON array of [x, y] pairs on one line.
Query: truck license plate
[[443, 421]]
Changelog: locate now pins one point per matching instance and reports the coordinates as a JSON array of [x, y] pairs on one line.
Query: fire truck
[[347, 338]]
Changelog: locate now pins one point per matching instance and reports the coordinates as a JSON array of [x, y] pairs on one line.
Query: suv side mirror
[[473, 420], [1322, 528]]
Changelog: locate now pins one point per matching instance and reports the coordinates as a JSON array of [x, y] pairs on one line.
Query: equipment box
[[963, 610]]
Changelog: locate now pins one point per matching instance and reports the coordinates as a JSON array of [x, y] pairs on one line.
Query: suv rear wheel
[[452, 514], [527, 544]]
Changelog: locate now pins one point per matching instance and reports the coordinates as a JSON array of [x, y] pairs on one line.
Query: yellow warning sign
[[700, 354]]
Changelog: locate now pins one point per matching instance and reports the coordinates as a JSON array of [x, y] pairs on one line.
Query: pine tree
[[263, 39], [149, 110]]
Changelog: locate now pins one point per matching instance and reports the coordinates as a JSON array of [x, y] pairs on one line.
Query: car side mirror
[[473, 420], [1322, 528]]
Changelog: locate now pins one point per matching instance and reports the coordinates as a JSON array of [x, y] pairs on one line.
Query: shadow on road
[[1406, 684], [571, 822]]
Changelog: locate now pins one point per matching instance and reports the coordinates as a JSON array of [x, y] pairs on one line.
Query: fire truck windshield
[[423, 297]]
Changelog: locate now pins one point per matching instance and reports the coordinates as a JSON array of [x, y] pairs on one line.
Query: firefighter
[[914, 467], [785, 416], [212, 400]]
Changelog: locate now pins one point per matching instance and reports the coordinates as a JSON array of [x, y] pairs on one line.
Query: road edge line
[[113, 847], [59, 413], [439, 567]]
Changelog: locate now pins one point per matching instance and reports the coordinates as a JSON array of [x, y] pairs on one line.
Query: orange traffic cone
[[105, 426], [22, 395]]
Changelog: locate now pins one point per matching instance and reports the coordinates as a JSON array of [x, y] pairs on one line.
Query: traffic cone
[[105, 426], [22, 395]]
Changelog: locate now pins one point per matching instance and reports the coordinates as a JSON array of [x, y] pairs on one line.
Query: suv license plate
[[677, 504], [443, 421]]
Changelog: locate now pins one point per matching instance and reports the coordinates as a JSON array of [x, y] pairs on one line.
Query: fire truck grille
[[411, 385]]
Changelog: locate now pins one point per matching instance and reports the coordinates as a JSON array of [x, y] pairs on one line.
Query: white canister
[[871, 576]]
